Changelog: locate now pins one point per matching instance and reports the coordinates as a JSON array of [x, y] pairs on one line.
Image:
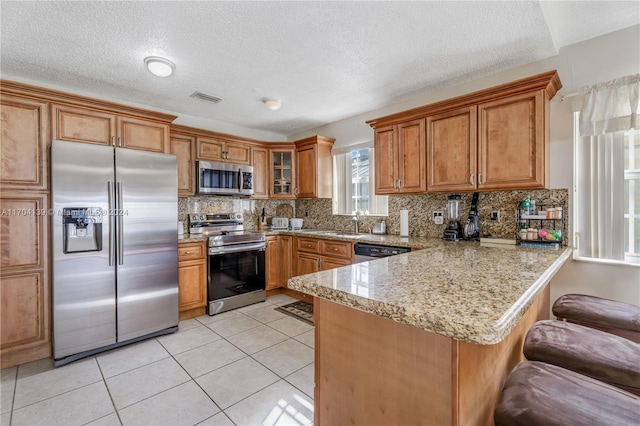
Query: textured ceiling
[[325, 60]]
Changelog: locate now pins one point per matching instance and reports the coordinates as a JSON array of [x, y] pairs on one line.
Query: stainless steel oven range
[[236, 261]]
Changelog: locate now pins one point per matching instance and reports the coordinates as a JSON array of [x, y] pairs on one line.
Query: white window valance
[[610, 107]]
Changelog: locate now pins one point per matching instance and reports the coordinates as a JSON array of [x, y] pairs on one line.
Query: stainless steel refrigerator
[[115, 247]]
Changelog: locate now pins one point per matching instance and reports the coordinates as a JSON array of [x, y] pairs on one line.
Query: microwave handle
[[240, 180]]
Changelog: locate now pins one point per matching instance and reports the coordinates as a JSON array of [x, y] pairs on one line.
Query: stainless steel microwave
[[216, 178]]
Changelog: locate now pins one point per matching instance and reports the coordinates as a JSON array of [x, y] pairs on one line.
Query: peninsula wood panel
[[412, 157], [183, 147], [451, 147], [24, 225], [513, 144], [83, 125], [143, 134], [370, 370], [385, 160], [483, 369], [24, 125], [24, 327]]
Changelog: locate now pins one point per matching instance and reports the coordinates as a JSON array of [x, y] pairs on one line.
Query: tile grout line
[[108, 392]]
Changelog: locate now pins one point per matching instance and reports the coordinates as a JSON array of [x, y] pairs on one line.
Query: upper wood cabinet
[[513, 142], [400, 158], [87, 125], [183, 147], [24, 125], [314, 167], [215, 149], [260, 164], [493, 139], [451, 150], [282, 175], [506, 149]]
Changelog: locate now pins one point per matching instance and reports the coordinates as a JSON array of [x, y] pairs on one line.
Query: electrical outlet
[[495, 215], [438, 217]]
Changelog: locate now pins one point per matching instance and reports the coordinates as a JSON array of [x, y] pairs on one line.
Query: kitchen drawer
[[188, 251], [337, 248], [309, 244]]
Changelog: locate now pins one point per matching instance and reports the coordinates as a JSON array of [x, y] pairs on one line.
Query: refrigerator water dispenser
[[82, 229]]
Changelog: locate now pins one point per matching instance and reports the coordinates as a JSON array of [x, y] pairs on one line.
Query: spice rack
[[544, 228]]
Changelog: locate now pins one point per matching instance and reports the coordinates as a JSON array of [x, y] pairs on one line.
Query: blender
[[454, 228]]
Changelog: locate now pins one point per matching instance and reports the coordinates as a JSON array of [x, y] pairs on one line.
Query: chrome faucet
[[355, 224]]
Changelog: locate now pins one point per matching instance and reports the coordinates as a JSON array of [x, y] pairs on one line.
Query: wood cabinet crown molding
[[56, 96], [548, 81], [193, 131]]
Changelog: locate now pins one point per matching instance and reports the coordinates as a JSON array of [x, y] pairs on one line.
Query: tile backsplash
[[317, 214]]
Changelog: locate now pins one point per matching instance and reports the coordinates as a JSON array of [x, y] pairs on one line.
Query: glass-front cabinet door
[[282, 174]]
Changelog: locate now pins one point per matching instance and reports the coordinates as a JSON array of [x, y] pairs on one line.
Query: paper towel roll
[[404, 223]]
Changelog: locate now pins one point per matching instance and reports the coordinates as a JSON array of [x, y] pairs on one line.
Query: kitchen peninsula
[[426, 337]]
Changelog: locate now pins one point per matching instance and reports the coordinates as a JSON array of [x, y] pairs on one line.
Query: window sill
[[578, 258]]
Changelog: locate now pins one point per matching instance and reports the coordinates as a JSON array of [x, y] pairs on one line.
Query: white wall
[[593, 61]]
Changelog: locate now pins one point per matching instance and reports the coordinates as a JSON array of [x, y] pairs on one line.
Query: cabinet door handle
[[113, 141], [295, 191], [335, 249], [479, 178], [307, 245], [119, 141], [189, 252], [472, 179], [320, 263], [399, 183]]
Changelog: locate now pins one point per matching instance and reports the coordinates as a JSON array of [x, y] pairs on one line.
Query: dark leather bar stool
[[614, 317], [603, 356], [539, 394]]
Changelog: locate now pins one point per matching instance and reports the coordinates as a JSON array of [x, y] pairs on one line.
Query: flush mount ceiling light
[[159, 66], [272, 104]]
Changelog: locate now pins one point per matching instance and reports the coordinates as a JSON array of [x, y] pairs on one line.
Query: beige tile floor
[[251, 366]]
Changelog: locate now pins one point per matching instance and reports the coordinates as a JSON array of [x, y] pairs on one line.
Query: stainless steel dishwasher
[[366, 252]]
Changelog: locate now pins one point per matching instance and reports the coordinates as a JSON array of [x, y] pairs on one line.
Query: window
[[607, 171], [354, 184], [631, 161]]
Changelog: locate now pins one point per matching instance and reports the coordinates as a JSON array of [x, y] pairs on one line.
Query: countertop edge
[[492, 334]]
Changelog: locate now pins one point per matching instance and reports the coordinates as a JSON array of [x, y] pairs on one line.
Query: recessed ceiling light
[[159, 66], [272, 104]]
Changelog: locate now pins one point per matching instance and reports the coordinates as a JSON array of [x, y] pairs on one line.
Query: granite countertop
[[461, 290], [192, 238]]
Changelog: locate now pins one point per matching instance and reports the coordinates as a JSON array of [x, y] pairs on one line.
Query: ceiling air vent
[[205, 97]]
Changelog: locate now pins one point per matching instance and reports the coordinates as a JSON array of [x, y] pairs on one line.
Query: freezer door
[[84, 303], [147, 266]]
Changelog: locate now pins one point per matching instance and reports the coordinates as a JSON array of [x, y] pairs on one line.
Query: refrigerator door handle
[[112, 234], [119, 212]]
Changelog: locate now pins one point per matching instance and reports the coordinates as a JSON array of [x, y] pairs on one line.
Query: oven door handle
[[236, 249]]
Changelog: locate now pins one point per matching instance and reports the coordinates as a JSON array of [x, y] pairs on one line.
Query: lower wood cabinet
[[192, 279], [278, 261], [313, 255]]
